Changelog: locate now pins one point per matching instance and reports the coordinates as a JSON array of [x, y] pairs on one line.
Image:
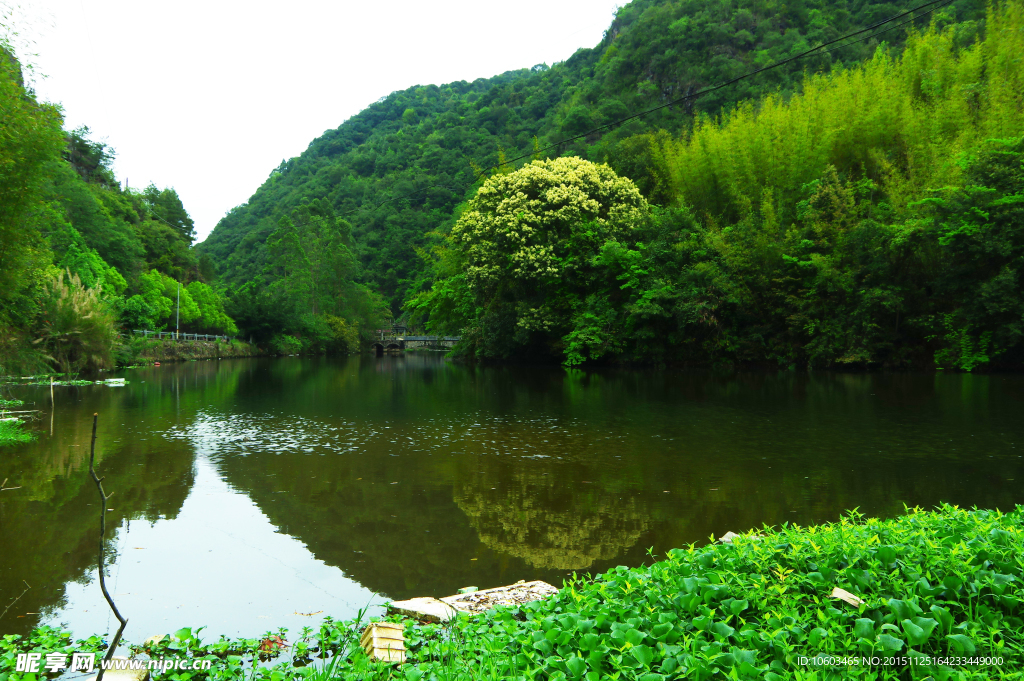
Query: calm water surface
[[254, 494]]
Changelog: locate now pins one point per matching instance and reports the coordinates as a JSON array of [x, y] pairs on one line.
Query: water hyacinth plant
[[940, 593]]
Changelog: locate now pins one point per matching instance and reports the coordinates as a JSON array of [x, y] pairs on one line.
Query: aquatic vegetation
[[944, 584], [933, 585], [13, 432], [44, 639]]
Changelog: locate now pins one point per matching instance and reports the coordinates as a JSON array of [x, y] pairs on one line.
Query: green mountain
[[400, 169], [875, 218]]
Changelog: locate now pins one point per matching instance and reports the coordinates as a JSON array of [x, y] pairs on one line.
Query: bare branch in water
[[27, 585], [103, 529]]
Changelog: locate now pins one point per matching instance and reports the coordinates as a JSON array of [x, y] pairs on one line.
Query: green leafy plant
[[79, 328], [941, 584], [13, 432]]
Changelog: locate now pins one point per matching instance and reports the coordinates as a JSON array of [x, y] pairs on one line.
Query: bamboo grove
[[874, 218]]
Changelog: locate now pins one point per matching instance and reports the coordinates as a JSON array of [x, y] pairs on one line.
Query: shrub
[[78, 328], [283, 344], [346, 335], [12, 432]]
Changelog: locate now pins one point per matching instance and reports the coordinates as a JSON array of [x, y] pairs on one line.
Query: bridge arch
[[378, 349]]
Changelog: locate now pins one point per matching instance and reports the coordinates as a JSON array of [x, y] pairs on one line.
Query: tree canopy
[[871, 219], [399, 170]]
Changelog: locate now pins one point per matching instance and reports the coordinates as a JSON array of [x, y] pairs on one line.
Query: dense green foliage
[[306, 298], [943, 585], [43, 640], [874, 218], [530, 249], [399, 169], [853, 208], [79, 328], [13, 432], [80, 256]]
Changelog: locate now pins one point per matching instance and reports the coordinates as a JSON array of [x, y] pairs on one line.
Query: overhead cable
[[928, 8]]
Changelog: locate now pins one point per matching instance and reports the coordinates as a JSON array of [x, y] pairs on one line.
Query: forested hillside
[[399, 169], [857, 207], [875, 218], [83, 259]]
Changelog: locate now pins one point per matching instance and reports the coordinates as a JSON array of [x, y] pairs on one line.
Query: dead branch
[[27, 585], [103, 529]]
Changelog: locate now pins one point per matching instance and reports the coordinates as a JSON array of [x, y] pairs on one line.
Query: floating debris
[[475, 602], [728, 537], [272, 645], [424, 608], [844, 595], [472, 602], [384, 641]]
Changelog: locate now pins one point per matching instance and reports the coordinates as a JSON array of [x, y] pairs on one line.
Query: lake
[[255, 494]]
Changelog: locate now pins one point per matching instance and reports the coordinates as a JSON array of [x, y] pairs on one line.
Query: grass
[[935, 584]]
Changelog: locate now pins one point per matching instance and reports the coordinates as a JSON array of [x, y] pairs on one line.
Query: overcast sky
[[208, 96]]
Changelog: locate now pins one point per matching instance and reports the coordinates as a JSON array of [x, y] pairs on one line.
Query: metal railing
[[431, 338], [171, 335]]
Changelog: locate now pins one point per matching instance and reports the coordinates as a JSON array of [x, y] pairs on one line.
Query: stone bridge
[[399, 343]]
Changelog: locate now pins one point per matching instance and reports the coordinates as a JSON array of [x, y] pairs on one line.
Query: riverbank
[[148, 350], [928, 593]]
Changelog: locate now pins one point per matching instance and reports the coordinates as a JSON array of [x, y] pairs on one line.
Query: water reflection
[[533, 515], [409, 475]]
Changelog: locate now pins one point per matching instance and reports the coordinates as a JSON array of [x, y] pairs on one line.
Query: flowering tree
[[523, 258]]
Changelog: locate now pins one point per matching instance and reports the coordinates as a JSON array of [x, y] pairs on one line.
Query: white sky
[[208, 96]]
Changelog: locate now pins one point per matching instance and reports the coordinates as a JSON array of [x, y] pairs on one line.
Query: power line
[[933, 6], [891, 28], [727, 83]]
